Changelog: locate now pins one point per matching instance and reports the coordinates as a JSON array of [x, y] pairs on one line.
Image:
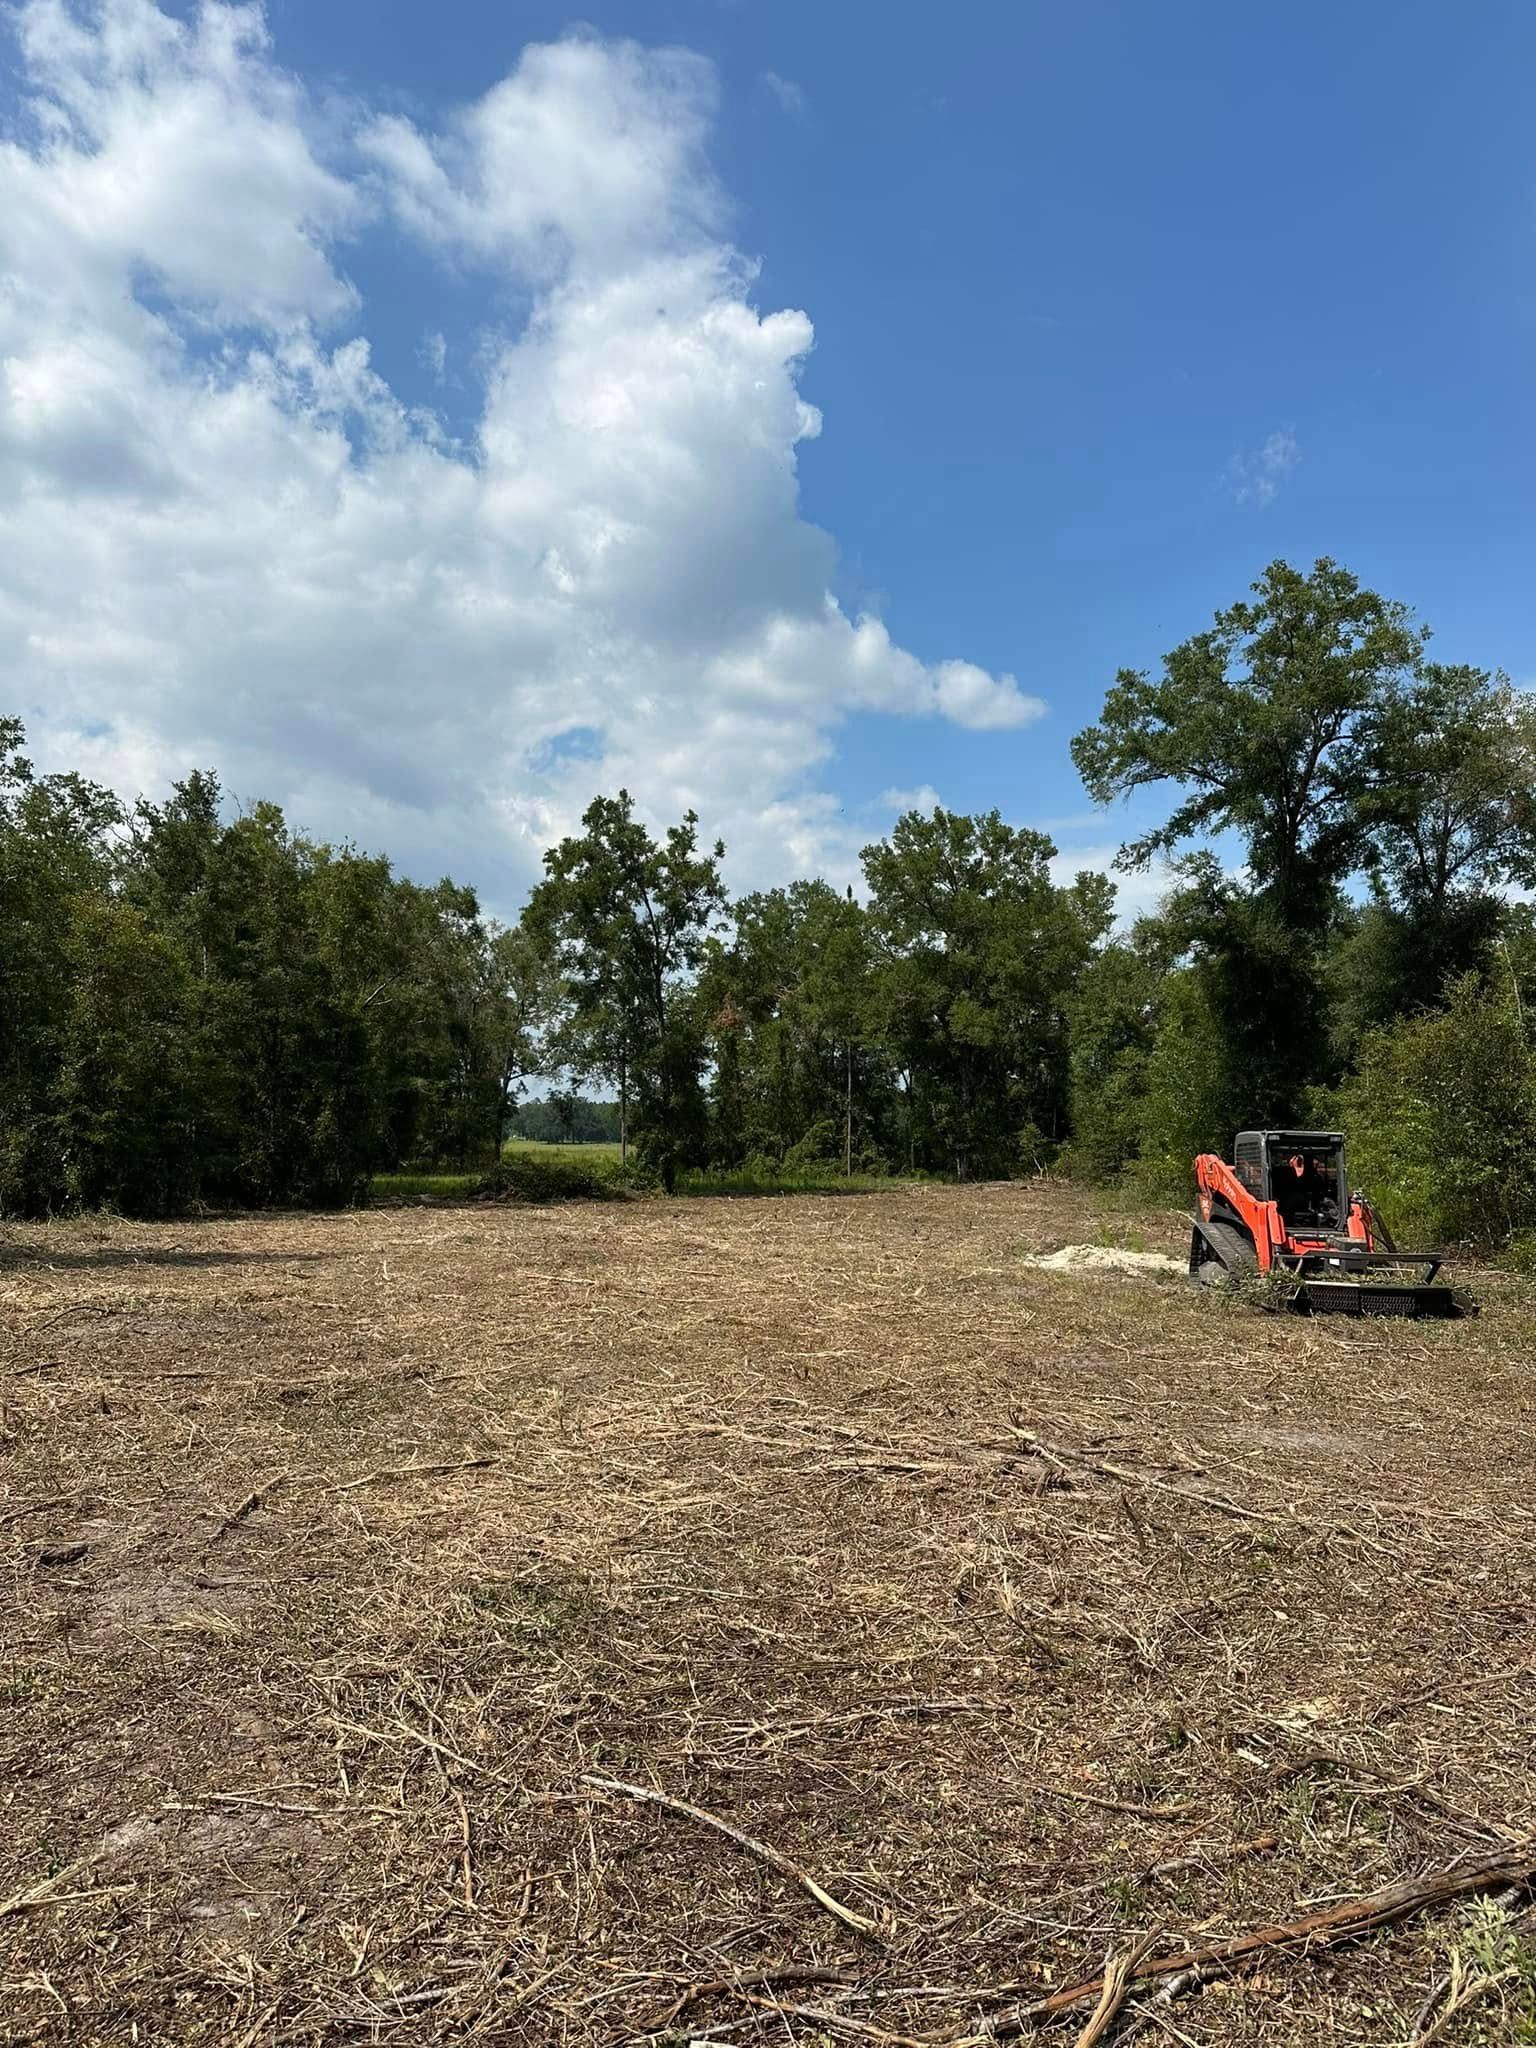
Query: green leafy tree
[[1453, 829], [1283, 723], [202, 1007], [379, 941], [979, 954], [746, 990], [1451, 758], [798, 1067], [58, 845], [1193, 1099], [581, 1118], [126, 1122], [1269, 721], [288, 1052], [1116, 1012], [833, 1002], [524, 998], [1387, 960], [626, 920], [492, 999], [564, 1104], [309, 989]]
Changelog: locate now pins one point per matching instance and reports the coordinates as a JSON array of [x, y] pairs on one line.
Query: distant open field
[[1010, 1616], [597, 1150]]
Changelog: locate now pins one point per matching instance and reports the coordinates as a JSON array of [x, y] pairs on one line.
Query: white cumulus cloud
[[924, 797], [224, 539]]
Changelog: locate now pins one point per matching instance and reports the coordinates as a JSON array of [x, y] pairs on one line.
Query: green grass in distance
[[422, 1187], [542, 1148]]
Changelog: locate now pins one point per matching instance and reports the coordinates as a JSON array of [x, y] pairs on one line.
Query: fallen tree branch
[[412, 1472], [35, 1507], [404, 1732], [759, 1980], [1064, 1460], [827, 2019], [35, 1897], [248, 1506], [76, 1308], [1233, 1852], [1148, 2012], [50, 1891], [1058, 1455], [1118, 1972], [763, 1850], [1343, 1922]]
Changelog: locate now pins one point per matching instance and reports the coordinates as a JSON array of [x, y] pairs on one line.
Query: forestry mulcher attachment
[[1285, 1206]]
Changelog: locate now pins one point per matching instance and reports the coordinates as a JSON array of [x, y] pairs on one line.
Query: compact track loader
[[1285, 1206]]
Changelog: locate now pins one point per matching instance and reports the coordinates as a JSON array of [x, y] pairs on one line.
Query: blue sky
[[1112, 305]]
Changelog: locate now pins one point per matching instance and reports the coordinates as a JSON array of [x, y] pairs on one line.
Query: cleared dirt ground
[[1025, 1613]]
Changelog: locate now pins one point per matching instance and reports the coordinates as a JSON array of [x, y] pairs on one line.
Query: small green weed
[[1125, 1895], [532, 1608], [1490, 1979], [1301, 1801], [19, 1685]]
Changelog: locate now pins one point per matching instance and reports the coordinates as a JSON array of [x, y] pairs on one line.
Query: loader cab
[[1301, 1172]]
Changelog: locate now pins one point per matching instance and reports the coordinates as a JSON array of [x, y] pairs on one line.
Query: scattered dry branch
[[256, 1498], [764, 1851], [386, 1473], [1344, 1922], [778, 1978], [1470, 1994]]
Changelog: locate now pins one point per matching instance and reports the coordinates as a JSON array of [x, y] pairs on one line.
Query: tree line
[[564, 1116], [206, 1007]]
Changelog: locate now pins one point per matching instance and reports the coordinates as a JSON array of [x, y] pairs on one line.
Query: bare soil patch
[[1019, 1613]]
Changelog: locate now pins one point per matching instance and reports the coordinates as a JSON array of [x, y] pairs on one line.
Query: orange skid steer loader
[[1285, 1206]]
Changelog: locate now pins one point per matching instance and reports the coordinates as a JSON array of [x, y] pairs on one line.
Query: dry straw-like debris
[[755, 1621]]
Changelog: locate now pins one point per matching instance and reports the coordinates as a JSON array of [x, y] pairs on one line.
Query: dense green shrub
[[1440, 1114], [547, 1176]]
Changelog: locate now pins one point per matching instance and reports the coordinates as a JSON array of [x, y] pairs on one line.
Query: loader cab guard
[[1302, 1172]]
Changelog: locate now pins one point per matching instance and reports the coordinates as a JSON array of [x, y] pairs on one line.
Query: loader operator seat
[[1306, 1191]]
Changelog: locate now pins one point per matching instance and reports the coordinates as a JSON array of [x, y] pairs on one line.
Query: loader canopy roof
[[1319, 1139]]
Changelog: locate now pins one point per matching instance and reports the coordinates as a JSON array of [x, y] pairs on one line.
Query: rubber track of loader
[[1231, 1246]]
